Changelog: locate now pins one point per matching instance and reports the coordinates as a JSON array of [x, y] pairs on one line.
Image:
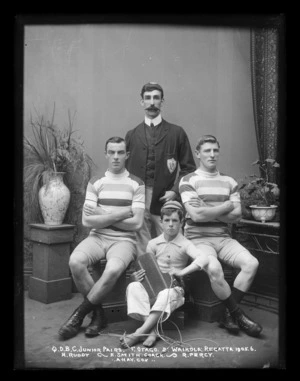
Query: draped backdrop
[[265, 86]]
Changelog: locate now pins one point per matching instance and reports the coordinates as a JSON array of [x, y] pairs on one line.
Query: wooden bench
[[200, 302]]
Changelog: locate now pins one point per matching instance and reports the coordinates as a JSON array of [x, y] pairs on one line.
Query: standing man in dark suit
[[160, 154]]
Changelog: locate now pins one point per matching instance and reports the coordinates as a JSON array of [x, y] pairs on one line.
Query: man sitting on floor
[[172, 251]]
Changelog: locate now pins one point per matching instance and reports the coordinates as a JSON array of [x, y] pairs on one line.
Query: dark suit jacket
[[172, 152]]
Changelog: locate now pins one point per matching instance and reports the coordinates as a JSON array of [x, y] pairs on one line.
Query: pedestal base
[[49, 291], [50, 281]]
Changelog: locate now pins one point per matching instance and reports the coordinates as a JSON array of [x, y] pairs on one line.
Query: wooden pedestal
[[50, 281]]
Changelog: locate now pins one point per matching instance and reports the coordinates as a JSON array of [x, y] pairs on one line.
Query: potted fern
[[260, 197], [53, 158]]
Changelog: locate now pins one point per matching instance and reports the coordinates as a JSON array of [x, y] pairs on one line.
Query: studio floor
[[199, 345]]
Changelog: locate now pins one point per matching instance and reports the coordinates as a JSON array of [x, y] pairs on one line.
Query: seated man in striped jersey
[[212, 201], [114, 210]]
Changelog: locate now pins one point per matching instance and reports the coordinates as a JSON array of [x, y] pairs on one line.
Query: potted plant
[[260, 197], [53, 159]]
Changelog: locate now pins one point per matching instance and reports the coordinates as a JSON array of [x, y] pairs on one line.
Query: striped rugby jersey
[[114, 191], [213, 189]]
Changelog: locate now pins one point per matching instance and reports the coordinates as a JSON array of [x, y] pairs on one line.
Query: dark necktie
[[151, 125]]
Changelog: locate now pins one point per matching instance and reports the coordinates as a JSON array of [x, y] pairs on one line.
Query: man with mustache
[[159, 151]]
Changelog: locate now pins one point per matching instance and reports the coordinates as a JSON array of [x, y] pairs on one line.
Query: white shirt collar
[[155, 121], [177, 240]]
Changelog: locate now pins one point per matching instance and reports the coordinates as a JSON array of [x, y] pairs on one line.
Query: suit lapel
[[163, 132], [140, 131]]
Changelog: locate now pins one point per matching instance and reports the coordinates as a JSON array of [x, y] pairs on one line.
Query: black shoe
[[228, 322], [71, 327], [246, 324], [98, 322]]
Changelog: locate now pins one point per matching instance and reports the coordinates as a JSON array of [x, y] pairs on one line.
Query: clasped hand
[[168, 196], [138, 276], [90, 210], [175, 272]]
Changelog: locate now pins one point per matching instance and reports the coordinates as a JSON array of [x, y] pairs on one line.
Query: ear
[[197, 153], [127, 154], [142, 103]]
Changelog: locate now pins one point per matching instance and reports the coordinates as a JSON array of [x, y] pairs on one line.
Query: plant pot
[[263, 213], [54, 199]]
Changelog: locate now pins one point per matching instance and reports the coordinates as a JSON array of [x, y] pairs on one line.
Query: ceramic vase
[[54, 199]]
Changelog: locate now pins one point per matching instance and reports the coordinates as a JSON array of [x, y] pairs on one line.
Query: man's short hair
[[115, 139], [170, 207], [206, 139], [150, 86]]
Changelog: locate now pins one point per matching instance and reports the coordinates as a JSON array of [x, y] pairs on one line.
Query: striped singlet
[[213, 189], [112, 192]]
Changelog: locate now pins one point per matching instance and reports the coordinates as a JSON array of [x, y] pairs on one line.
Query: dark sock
[[85, 307], [237, 294], [230, 304]]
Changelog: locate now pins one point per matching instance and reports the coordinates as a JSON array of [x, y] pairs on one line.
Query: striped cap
[[172, 205]]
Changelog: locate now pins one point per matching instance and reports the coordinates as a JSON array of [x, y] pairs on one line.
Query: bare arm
[[231, 217], [234, 216], [133, 223], [200, 261], [187, 270], [100, 221], [208, 213]]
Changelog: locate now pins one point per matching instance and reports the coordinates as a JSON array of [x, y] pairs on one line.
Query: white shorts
[[138, 302]]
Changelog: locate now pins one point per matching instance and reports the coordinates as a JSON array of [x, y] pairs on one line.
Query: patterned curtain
[[264, 78]]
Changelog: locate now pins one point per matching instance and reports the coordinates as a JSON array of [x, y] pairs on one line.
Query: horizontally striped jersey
[[213, 189], [112, 192]]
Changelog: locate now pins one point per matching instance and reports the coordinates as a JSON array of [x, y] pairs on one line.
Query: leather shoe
[[228, 323], [249, 326], [98, 322], [71, 327]]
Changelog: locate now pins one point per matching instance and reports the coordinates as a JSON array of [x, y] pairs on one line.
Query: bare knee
[[251, 265], [77, 263], [214, 271], [247, 262]]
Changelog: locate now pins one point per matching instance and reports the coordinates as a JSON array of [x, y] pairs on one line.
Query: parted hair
[[115, 139]]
